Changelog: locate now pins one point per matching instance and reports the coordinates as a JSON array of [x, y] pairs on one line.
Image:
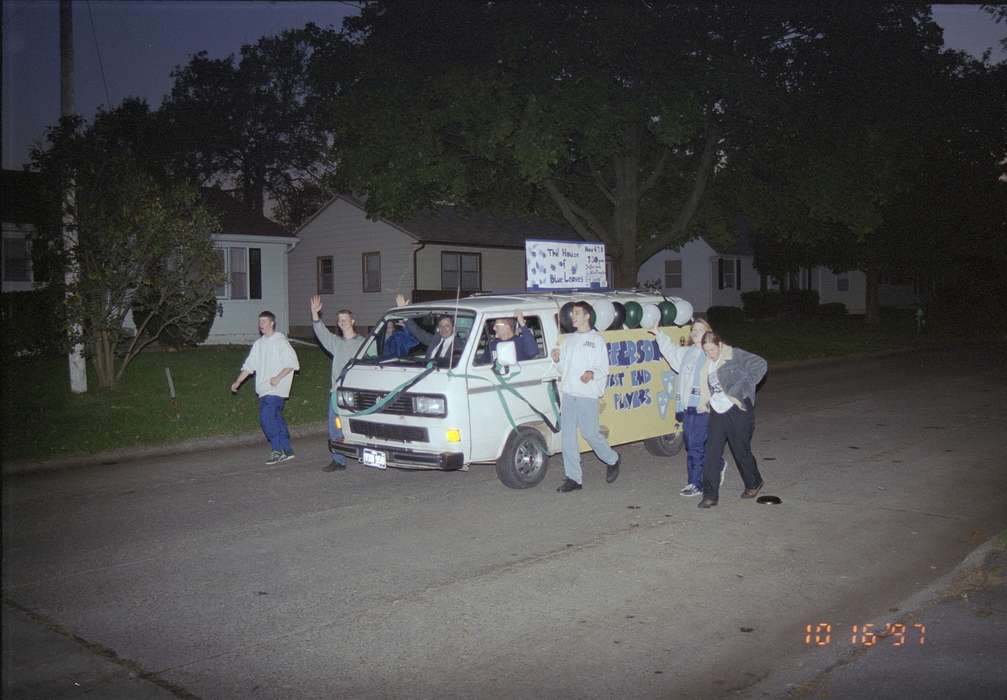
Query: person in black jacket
[[732, 375]]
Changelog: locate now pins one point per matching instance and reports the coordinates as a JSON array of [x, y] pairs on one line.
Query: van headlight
[[346, 399], [430, 405]]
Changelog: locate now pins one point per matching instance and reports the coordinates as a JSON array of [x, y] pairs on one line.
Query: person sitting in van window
[[583, 369], [398, 341], [440, 345], [511, 329]]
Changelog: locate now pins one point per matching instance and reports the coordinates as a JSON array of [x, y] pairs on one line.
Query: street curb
[[125, 454], [798, 681]]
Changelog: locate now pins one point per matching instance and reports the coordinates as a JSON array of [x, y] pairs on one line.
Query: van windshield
[[414, 337]]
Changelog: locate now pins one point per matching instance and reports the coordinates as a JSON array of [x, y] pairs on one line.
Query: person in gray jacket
[[732, 375], [342, 347]]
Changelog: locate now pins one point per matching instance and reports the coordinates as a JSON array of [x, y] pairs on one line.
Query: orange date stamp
[[897, 634]]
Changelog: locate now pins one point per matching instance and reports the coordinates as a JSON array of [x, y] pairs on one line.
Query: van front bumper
[[404, 458]]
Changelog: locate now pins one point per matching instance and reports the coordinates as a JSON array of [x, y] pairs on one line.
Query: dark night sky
[[140, 42]]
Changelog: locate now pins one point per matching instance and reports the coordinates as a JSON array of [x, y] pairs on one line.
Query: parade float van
[[401, 410]]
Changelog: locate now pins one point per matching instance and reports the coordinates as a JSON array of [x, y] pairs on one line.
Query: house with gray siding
[[361, 264]]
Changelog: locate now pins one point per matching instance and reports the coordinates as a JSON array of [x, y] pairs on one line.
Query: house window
[[672, 274], [242, 268], [371, 264], [728, 273], [464, 269], [842, 283], [16, 258], [325, 276]]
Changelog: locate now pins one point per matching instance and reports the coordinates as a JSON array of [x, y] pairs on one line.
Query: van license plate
[[374, 458]]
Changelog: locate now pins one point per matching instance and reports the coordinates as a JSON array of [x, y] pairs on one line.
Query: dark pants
[[735, 428], [335, 434]]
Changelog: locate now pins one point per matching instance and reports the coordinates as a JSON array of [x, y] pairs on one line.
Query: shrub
[[724, 314], [833, 309], [34, 322], [762, 304], [799, 303], [173, 336]]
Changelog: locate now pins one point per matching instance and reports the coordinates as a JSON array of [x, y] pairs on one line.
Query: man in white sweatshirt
[[583, 367], [273, 362]]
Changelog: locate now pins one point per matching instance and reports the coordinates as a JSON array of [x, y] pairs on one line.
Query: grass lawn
[[805, 339], [42, 419]]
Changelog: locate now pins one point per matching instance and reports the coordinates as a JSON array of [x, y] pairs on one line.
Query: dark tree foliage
[[615, 117], [246, 121]]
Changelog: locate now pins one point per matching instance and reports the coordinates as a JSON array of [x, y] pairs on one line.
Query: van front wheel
[[665, 445], [524, 460]]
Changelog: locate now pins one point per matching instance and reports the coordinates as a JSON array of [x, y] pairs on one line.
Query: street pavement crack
[[130, 666]]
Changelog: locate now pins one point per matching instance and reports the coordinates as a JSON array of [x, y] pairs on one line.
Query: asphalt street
[[210, 575]]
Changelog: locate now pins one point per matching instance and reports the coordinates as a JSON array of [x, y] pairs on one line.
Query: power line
[[97, 50]]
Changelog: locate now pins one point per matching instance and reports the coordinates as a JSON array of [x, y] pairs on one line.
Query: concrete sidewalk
[[954, 644]]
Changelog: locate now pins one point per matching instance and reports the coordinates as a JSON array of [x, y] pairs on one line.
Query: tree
[[615, 117], [873, 106], [247, 120], [140, 236]]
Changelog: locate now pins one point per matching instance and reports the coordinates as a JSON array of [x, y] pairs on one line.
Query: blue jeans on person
[[695, 428], [581, 412], [273, 425], [335, 434]]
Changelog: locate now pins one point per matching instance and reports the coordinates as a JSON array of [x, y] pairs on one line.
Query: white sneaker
[[723, 470], [691, 490]]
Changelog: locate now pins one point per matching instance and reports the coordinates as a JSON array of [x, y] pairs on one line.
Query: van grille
[[384, 431], [401, 405]]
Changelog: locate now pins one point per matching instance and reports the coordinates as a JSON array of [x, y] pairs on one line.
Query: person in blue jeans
[[273, 362], [342, 347], [692, 400]]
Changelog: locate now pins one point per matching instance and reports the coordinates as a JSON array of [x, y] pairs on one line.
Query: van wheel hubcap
[[528, 459]]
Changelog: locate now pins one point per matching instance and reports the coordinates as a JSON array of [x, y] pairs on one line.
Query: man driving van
[[440, 345]]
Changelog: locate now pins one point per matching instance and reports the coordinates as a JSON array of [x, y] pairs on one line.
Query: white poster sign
[[564, 265]]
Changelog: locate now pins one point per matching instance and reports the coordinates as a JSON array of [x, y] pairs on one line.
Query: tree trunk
[[625, 218], [872, 298], [104, 360]]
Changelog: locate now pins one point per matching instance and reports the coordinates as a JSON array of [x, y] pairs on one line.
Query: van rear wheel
[[524, 460], [665, 445]]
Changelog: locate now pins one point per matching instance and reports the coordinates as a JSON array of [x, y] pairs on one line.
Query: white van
[[399, 409]]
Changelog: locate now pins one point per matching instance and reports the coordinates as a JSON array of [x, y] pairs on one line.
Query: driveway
[[211, 575]]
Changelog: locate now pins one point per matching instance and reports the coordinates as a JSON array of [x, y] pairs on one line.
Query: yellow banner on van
[[640, 400]]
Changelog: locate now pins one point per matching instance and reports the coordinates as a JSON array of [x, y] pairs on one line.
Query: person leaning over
[[515, 329], [692, 400], [583, 368], [732, 375], [342, 347], [273, 361], [440, 345]]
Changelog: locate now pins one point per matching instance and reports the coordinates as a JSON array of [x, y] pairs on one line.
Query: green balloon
[[634, 314], [668, 313]]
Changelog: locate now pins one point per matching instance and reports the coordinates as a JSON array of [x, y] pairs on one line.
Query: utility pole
[[78, 371]]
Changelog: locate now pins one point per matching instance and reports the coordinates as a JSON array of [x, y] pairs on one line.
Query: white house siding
[[502, 269], [343, 231], [237, 319], [699, 275]]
